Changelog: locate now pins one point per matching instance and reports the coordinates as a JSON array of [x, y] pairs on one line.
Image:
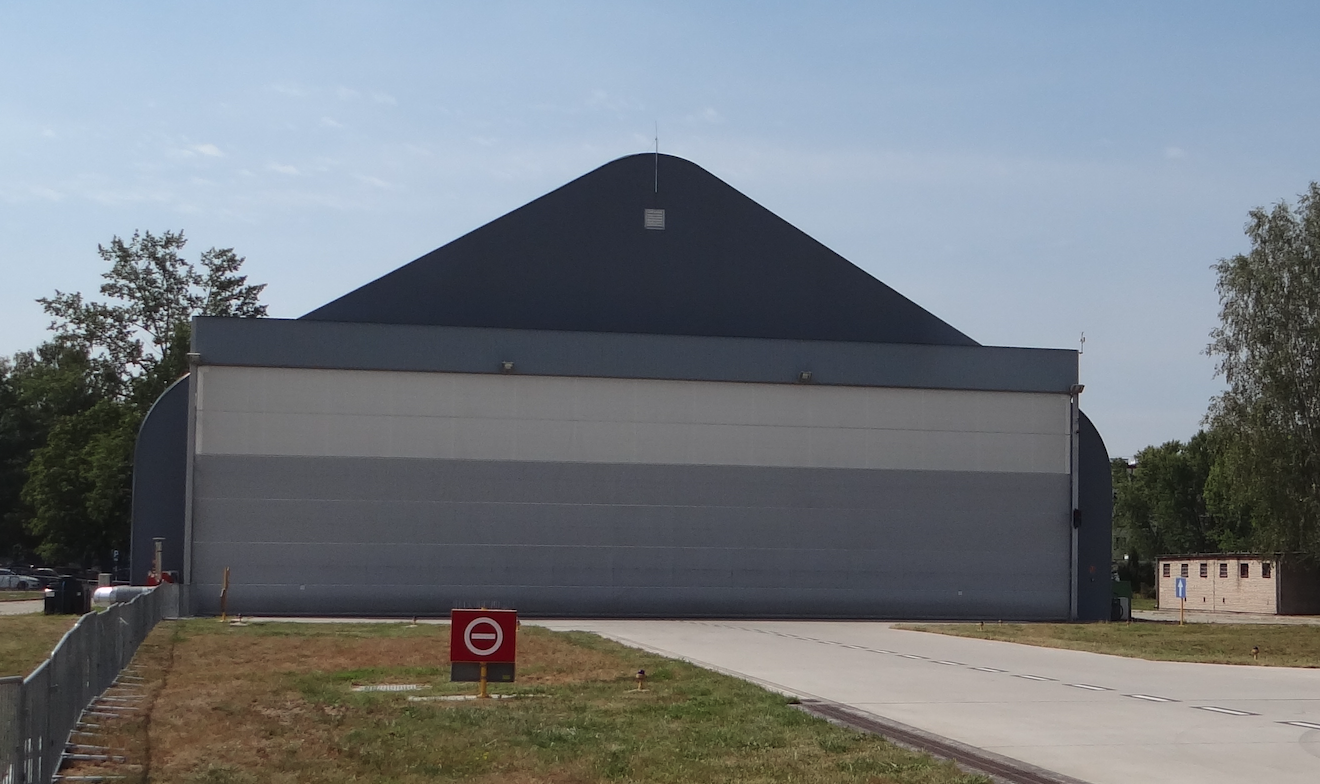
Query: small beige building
[[1240, 582]]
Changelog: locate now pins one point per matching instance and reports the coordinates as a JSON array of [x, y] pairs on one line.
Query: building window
[[1244, 570], [1166, 569], [1205, 570], [1223, 571], [1267, 570], [1182, 568]]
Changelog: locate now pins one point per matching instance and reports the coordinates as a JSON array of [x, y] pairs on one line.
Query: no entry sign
[[479, 637]]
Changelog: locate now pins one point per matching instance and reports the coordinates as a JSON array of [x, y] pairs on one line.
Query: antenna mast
[[657, 156]]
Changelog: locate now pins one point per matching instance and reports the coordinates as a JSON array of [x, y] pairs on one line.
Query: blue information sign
[[1180, 587]]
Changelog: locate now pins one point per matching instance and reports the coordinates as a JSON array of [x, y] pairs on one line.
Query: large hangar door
[[342, 491]]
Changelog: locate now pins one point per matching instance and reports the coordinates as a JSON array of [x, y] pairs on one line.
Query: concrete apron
[[1100, 719]]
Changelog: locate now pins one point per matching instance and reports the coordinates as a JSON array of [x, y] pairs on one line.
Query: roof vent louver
[[653, 219]]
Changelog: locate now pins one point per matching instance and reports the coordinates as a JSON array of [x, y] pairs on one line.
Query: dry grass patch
[[1280, 645], [274, 703], [26, 640]]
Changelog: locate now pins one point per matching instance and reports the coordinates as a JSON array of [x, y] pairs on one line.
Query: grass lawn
[[1280, 646], [1142, 603], [26, 640], [20, 596], [274, 703]]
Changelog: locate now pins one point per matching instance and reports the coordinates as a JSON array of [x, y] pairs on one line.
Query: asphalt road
[[1101, 719], [22, 608]]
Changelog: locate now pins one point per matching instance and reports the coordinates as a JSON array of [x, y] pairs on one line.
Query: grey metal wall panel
[[404, 537], [323, 344], [353, 413]]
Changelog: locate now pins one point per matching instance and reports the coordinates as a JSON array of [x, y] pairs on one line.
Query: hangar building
[[642, 394]]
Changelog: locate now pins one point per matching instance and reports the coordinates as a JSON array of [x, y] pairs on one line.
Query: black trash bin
[[69, 597]]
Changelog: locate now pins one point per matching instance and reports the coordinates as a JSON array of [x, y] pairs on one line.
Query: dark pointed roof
[[580, 259]]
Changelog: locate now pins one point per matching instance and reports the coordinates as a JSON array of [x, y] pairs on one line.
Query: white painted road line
[[1033, 677], [987, 669], [1225, 711], [1088, 687], [1149, 698], [1303, 724], [950, 663], [910, 656]]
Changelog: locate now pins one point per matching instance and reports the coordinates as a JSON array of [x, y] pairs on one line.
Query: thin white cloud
[[282, 168], [47, 194], [330, 122], [602, 100], [288, 88], [375, 182], [384, 98], [707, 115], [209, 150], [347, 94], [1174, 153]]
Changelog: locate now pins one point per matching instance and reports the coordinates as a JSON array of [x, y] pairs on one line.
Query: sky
[[1028, 172]]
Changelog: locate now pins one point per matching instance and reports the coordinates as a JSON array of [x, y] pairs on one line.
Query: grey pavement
[[1101, 719], [1196, 616], [22, 608]]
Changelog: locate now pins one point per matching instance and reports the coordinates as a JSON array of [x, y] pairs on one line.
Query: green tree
[[37, 388], [1167, 505], [132, 345], [141, 334], [1268, 351]]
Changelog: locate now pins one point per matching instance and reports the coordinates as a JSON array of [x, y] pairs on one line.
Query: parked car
[[43, 575], [17, 582]]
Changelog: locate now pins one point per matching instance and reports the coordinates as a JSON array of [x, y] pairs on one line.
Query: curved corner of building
[[160, 464], [1095, 525]]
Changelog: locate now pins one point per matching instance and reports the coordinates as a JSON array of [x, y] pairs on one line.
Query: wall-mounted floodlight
[[193, 358], [804, 377], [506, 367], [1076, 389]]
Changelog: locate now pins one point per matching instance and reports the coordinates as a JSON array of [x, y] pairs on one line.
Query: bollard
[[641, 680], [1255, 652]]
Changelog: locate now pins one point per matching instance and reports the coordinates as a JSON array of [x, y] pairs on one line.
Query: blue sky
[[1026, 171]]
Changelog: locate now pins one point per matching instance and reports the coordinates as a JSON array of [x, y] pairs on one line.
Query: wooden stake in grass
[[1255, 652], [641, 680], [224, 596]]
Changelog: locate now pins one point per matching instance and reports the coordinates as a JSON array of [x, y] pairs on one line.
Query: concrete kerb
[[1244, 619]]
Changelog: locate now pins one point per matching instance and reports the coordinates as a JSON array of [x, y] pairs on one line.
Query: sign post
[[1180, 591], [483, 647]]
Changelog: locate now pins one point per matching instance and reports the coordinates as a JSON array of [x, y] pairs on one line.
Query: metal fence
[[38, 713]]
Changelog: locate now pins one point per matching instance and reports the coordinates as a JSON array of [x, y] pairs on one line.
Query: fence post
[[11, 743]]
